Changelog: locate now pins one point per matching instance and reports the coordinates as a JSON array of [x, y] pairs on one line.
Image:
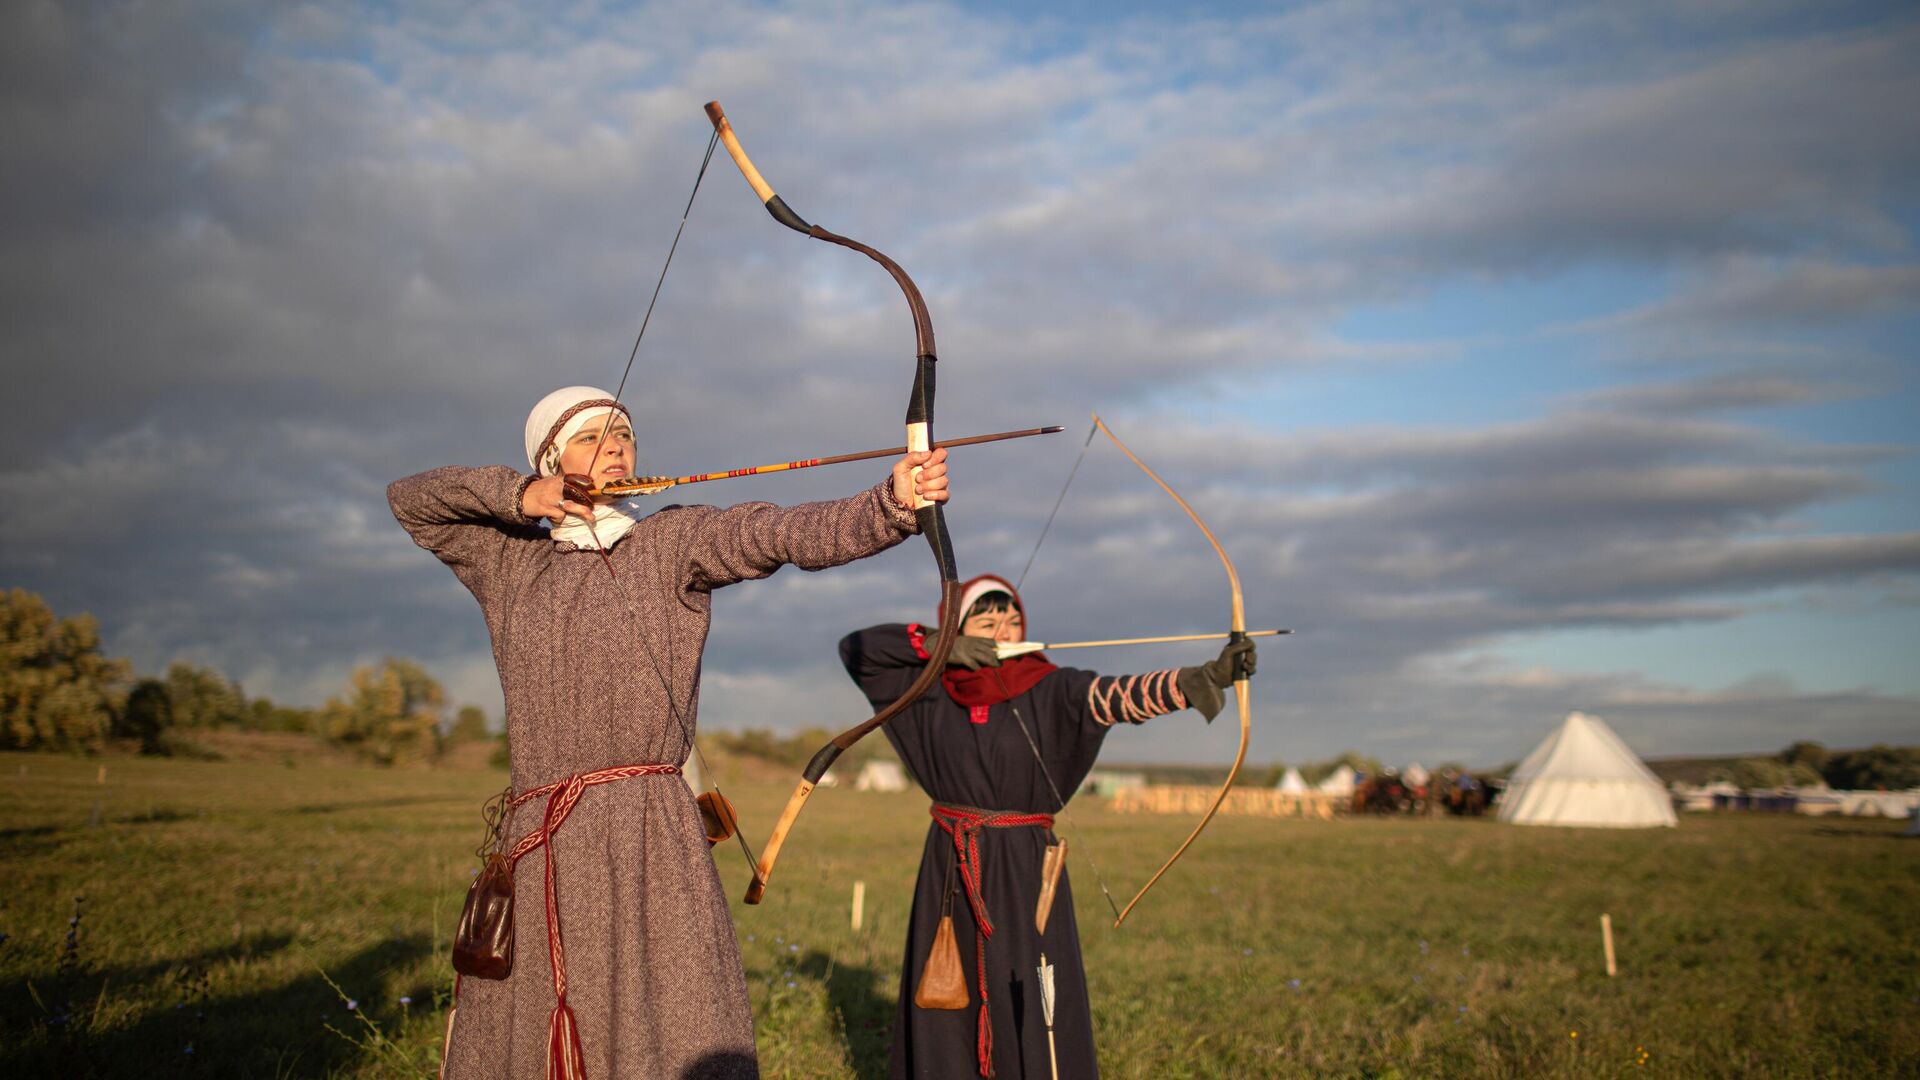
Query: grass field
[[229, 914]]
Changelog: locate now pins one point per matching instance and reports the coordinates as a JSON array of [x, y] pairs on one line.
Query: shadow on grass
[[164, 815], [280, 1031], [1884, 831], [30, 840], [865, 1012], [375, 804]]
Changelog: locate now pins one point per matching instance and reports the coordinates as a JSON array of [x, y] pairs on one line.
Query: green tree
[[201, 698], [1771, 773], [57, 692], [469, 725], [147, 716], [391, 714], [1811, 754], [1878, 766]]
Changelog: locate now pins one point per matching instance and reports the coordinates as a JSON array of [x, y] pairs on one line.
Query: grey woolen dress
[[652, 968]]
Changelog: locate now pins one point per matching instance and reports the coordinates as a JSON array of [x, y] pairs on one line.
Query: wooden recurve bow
[[1241, 686], [932, 520]]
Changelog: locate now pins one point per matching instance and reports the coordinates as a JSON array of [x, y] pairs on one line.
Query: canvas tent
[[1291, 782], [1583, 775], [1340, 782], [881, 776]]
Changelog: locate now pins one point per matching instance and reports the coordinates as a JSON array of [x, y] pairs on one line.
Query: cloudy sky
[[1525, 357]]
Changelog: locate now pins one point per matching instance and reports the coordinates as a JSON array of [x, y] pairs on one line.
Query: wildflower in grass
[[1246, 952], [352, 1005], [793, 948], [1573, 1034], [404, 1000], [789, 984], [1294, 983]]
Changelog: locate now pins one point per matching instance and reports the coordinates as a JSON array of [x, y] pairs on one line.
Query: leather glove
[[1203, 685], [972, 653]]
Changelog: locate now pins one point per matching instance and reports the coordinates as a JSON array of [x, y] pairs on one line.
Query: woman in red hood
[[998, 746]]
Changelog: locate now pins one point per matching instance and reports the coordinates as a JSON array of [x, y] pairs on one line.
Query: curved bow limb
[[932, 520], [1241, 687]]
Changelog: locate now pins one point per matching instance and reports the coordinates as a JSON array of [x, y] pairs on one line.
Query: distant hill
[[1695, 770]]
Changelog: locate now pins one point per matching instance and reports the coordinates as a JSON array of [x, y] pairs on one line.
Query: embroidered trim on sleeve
[[1134, 698], [520, 500]]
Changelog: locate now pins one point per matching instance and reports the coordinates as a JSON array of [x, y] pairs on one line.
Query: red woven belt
[[964, 823], [565, 1059]]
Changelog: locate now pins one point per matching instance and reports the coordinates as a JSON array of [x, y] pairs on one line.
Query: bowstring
[[653, 659], [1058, 799], [1032, 743], [1071, 473]]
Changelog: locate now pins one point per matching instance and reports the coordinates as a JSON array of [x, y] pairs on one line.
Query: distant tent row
[[1339, 782]]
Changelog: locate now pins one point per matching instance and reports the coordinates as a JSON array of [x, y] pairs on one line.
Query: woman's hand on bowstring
[[972, 653], [548, 498], [930, 485]]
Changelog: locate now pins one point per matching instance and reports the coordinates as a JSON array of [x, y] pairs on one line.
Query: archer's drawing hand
[[932, 482], [548, 499], [972, 653], [1204, 685]]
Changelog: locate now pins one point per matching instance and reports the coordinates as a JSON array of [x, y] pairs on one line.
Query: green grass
[[222, 904]]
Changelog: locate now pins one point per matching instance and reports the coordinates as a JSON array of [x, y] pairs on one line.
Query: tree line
[[1806, 764], [60, 691]]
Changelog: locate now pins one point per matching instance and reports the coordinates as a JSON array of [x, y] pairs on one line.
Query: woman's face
[[605, 459], [999, 625]]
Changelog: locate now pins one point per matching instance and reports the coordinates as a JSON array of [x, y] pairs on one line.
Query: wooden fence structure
[[1254, 802]]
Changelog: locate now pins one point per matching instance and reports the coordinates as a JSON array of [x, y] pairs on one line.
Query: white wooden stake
[[859, 902], [1606, 939]]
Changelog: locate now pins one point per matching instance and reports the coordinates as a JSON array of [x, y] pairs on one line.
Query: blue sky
[[1528, 358]]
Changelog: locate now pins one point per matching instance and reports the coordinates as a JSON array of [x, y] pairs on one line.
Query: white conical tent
[[1339, 782], [1291, 782], [1583, 775]]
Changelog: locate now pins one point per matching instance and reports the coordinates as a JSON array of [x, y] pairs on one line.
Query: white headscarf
[[558, 417]]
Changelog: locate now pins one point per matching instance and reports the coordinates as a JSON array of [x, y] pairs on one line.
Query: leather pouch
[[943, 985], [717, 816], [483, 940]]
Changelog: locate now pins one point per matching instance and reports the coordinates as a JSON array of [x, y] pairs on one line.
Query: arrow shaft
[[1008, 649], [659, 485], [1156, 640]]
